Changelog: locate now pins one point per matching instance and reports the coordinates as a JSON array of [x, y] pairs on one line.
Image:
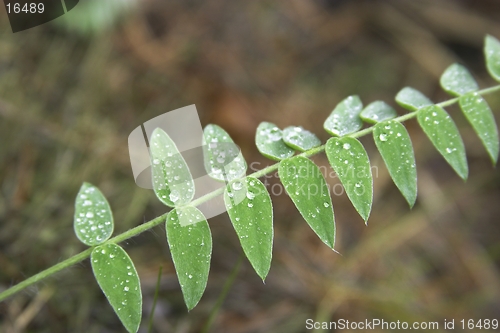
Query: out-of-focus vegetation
[[69, 99]]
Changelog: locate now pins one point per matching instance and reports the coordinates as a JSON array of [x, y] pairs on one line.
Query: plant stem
[[223, 294], [157, 291], [160, 219]]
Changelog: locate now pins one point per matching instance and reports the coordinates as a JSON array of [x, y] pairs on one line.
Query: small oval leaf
[[377, 111], [412, 99], [116, 275], [269, 140], [190, 243], [172, 180], [300, 139], [306, 186], [478, 113], [457, 80], [93, 222], [223, 159], [345, 119], [444, 135], [492, 55], [350, 161], [394, 144], [251, 212]]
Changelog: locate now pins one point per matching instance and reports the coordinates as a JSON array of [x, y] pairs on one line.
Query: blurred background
[[72, 90]]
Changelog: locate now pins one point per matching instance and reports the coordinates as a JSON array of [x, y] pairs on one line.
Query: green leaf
[[444, 135], [223, 159], [251, 212], [116, 275], [412, 99], [456, 80], [190, 243], [394, 144], [172, 180], [350, 161], [345, 119], [93, 222], [306, 186], [479, 115], [299, 138], [377, 111], [269, 140], [492, 54]]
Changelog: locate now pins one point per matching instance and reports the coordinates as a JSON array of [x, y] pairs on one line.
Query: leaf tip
[[411, 202]]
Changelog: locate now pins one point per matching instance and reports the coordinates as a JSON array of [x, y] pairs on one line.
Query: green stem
[[223, 294], [158, 220], [157, 291]]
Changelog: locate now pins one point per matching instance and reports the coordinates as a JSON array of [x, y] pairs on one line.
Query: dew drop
[[250, 195], [382, 137], [274, 134], [347, 146], [174, 196], [237, 186]]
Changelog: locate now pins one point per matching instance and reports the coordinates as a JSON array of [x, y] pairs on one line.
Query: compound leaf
[[190, 243], [350, 161], [479, 115], [269, 140], [223, 159], [412, 99], [456, 80], [345, 119], [118, 279], [394, 144], [172, 180], [299, 138], [444, 135], [377, 111], [93, 222], [251, 212], [306, 186], [492, 55]]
